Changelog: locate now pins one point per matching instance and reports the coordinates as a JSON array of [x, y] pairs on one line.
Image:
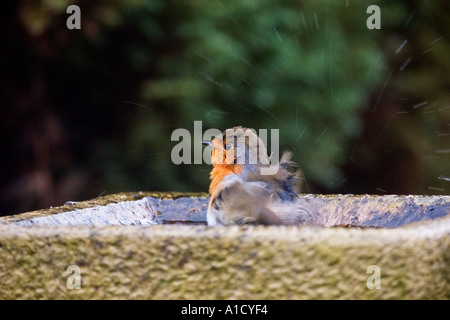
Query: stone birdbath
[[157, 246]]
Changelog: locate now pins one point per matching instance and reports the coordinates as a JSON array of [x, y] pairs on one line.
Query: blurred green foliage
[[140, 69]]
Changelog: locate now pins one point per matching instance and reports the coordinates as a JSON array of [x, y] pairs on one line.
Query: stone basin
[[156, 246]]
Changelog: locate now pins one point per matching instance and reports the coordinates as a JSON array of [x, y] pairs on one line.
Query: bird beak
[[208, 143]]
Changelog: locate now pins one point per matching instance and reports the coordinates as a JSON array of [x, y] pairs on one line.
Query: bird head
[[238, 146]]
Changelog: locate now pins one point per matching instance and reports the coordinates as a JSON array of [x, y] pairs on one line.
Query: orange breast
[[219, 172]]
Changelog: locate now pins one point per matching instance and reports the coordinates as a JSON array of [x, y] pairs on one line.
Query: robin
[[241, 193]]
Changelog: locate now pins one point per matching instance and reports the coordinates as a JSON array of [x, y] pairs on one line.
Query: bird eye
[[227, 146]]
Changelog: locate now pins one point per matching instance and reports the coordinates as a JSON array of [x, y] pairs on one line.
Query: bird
[[241, 193]]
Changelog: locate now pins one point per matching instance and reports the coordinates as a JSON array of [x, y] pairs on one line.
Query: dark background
[[90, 112]]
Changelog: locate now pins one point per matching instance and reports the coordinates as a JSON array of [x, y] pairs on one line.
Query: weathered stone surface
[[88, 212], [252, 262]]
